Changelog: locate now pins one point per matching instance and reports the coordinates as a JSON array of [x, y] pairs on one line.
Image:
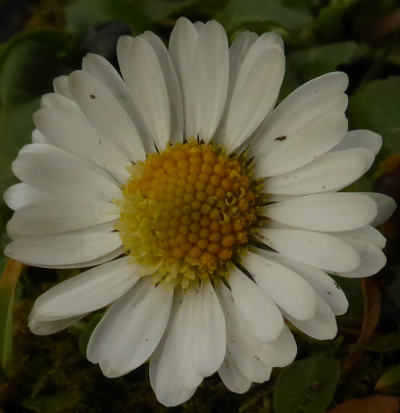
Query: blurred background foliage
[[359, 371]]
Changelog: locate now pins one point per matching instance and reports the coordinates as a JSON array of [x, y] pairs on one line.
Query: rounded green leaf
[[307, 386]]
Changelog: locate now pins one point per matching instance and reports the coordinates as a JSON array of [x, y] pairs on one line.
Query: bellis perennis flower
[[210, 218]]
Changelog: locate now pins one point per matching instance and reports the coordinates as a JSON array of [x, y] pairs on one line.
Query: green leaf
[[307, 386], [376, 106], [318, 60], [383, 344], [237, 13], [82, 15], [330, 21], [389, 380]]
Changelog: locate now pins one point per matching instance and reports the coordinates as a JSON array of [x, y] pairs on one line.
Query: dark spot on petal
[[280, 138], [337, 285], [92, 96]]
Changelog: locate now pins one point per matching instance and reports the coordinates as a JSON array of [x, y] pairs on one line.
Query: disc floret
[[187, 211]]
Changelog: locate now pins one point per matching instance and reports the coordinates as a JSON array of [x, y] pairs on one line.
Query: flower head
[[210, 218]]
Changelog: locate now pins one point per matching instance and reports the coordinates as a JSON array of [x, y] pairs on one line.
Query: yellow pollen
[[186, 212]]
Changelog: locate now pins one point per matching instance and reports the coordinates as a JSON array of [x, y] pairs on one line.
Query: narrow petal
[[56, 101], [210, 77], [367, 233], [45, 328], [173, 87], [263, 318], [314, 248], [57, 172], [360, 139], [38, 137], [106, 114], [286, 288], [239, 344], [290, 151], [103, 70], [20, 195], [386, 207], [193, 346], [143, 74], [237, 53], [280, 352], [323, 284], [372, 258], [254, 92], [61, 250], [88, 291], [182, 47], [54, 217], [115, 253], [330, 172], [61, 86], [322, 326], [77, 136], [329, 212], [328, 85], [137, 327], [232, 377]]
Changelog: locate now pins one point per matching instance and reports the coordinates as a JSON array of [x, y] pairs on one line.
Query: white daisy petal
[[20, 195], [182, 47], [286, 288], [314, 248], [106, 114], [44, 328], [254, 93], [142, 72], [57, 172], [288, 152], [360, 139], [263, 318], [173, 87], [60, 250], [280, 352], [328, 85], [372, 258], [239, 345], [386, 207], [237, 53], [231, 376], [323, 284], [193, 346], [329, 212], [38, 137], [61, 86], [77, 136], [210, 77], [367, 233], [88, 291], [322, 326], [330, 172], [56, 101], [117, 252], [58, 216], [101, 68], [137, 327]]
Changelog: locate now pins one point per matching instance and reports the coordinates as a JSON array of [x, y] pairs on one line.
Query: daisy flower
[[210, 217]]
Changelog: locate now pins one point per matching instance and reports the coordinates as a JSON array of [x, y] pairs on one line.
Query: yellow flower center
[[186, 212]]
